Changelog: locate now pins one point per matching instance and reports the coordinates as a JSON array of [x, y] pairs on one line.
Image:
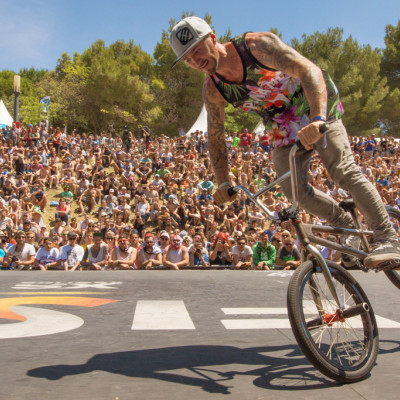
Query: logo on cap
[[184, 36]]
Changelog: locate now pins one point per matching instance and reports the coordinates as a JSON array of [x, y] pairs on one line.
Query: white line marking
[[268, 323], [39, 322], [161, 315], [254, 311], [256, 323]]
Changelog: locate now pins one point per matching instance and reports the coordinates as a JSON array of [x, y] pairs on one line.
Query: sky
[[36, 32]]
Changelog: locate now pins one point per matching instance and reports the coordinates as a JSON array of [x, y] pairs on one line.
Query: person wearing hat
[[158, 184], [67, 194], [176, 255], [246, 71], [164, 241], [71, 254]]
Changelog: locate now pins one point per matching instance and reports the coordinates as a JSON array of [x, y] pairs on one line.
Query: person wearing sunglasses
[[176, 255], [288, 256], [149, 255], [242, 254], [20, 255], [71, 254], [123, 256]]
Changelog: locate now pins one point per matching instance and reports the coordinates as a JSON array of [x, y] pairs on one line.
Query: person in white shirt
[[242, 254], [96, 254], [20, 255], [71, 254], [47, 256]]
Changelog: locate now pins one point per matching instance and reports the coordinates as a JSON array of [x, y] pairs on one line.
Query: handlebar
[[322, 129]]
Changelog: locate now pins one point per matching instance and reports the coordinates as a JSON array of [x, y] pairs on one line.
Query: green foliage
[[236, 119], [355, 70], [121, 85], [391, 56]]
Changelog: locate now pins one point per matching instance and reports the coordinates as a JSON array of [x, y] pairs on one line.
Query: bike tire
[[346, 362], [394, 215]]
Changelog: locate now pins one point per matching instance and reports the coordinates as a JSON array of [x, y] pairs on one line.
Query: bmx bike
[[329, 312]]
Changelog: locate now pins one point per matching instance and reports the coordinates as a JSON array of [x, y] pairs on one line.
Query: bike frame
[[305, 232]]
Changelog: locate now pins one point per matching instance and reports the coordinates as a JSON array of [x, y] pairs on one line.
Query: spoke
[[343, 343]]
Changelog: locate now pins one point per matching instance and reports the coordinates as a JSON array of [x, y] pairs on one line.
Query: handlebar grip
[[232, 191], [322, 129]]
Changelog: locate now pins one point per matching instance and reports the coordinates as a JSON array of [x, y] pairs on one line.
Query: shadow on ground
[[208, 367]]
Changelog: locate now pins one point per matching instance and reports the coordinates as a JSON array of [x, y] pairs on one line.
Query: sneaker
[[381, 253], [354, 242]]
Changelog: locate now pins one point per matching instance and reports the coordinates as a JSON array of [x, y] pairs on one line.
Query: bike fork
[[302, 235]]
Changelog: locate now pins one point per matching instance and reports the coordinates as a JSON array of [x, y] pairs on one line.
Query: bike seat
[[347, 204]]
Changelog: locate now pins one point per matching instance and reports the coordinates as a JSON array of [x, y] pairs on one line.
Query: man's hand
[[310, 134], [221, 196]]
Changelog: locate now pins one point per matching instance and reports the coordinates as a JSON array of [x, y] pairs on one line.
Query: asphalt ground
[[171, 335]]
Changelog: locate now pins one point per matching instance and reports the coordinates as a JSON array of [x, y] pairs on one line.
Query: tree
[[391, 56], [355, 70], [178, 89], [390, 117]]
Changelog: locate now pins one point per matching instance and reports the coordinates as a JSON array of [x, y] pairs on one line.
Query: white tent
[[259, 129], [5, 117], [201, 122]]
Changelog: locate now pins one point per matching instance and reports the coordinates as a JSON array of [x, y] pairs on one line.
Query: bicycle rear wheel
[[343, 349], [394, 216]]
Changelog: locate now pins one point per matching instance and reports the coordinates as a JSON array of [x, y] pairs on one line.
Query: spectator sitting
[[288, 257], [330, 254], [47, 255], [123, 256], [96, 254], [62, 210], [20, 255], [149, 255], [176, 254], [164, 241], [221, 250], [264, 254], [198, 254], [71, 254], [242, 254]]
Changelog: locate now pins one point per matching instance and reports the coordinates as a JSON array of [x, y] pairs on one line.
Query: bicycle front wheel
[[343, 349], [394, 216]]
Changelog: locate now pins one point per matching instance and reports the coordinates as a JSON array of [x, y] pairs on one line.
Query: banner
[[44, 103]]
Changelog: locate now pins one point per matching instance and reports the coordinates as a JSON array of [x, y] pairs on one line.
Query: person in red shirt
[[265, 142], [245, 139]]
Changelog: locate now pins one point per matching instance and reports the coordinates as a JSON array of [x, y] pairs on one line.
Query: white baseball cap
[[186, 34]]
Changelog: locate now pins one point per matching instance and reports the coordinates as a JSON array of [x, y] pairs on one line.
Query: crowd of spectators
[[105, 201]]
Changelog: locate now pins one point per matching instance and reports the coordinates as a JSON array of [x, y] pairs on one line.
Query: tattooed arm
[[214, 103], [273, 53]]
